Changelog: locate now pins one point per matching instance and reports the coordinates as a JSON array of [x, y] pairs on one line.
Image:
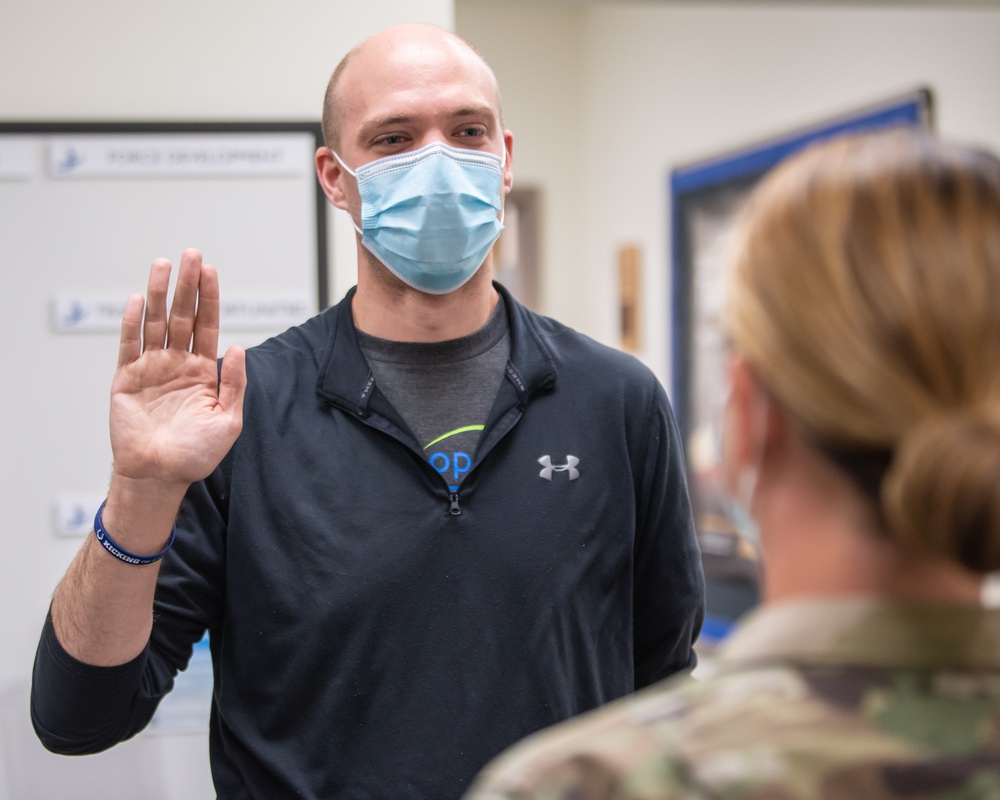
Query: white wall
[[115, 59], [537, 54], [132, 61], [664, 84]]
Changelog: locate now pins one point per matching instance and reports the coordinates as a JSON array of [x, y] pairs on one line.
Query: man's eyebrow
[[474, 111], [373, 126]]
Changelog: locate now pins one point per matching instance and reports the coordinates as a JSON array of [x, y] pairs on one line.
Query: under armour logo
[[548, 467]]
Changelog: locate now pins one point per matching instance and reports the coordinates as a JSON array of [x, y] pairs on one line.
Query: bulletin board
[[84, 209], [243, 192], [705, 198]]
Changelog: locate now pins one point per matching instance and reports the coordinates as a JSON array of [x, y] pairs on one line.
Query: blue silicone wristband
[[121, 553]]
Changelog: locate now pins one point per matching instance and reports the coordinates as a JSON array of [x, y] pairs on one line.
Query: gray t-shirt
[[444, 390]]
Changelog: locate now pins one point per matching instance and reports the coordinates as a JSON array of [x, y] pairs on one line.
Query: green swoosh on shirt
[[455, 432]]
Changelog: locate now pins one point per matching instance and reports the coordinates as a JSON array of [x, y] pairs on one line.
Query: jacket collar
[[345, 378]]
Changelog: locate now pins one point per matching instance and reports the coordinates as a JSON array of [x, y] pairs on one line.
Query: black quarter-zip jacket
[[375, 635]]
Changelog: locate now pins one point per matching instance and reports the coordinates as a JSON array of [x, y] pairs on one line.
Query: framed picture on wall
[[705, 199]]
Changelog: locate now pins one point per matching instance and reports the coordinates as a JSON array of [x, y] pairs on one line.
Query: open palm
[[174, 414]]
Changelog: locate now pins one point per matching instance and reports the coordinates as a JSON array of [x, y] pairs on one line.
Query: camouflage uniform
[[854, 698]]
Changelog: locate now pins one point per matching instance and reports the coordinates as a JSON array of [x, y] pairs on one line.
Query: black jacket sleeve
[[669, 583], [78, 708]]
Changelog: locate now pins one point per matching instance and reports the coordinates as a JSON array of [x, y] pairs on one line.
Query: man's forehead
[[415, 38], [408, 65]]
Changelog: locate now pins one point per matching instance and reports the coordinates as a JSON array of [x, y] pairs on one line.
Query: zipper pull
[[455, 510]]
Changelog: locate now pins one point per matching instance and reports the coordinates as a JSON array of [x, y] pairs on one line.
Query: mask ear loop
[[503, 197], [354, 175], [340, 161]]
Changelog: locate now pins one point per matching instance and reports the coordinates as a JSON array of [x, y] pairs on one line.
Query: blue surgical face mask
[[431, 215]]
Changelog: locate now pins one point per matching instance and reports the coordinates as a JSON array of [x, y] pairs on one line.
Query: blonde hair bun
[[941, 494]]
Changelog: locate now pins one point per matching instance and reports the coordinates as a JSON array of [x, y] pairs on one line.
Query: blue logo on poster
[[71, 160]]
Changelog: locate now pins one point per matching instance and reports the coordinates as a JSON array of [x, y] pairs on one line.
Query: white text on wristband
[[121, 553]]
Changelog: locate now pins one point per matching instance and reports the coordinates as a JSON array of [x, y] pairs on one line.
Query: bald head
[[400, 48]]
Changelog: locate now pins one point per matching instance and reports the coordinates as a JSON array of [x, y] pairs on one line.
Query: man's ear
[[329, 172], [508, 169]]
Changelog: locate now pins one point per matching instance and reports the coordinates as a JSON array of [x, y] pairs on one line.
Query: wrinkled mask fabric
[[431, 215]]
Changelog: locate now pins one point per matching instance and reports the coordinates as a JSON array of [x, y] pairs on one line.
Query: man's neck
[[385, 307]]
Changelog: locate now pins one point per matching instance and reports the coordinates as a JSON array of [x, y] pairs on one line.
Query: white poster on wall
[[84, 210]]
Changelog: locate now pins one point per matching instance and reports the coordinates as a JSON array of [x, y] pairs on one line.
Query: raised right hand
[[174, 415]]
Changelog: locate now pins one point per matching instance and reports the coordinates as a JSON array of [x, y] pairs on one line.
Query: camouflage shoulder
[[590, 756], [773, 732]]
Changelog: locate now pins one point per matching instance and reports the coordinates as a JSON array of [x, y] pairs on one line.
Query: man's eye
[[392, 139], [470, 132]]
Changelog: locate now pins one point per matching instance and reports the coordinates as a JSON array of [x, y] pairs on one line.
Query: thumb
[[233, 382]]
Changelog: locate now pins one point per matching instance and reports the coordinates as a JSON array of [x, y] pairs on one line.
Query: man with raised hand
[[447, 521]]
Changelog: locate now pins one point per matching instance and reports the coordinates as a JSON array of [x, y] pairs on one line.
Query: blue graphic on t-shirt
[[455, 464]]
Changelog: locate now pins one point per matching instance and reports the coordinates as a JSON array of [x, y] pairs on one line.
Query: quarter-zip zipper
[[392, 429]]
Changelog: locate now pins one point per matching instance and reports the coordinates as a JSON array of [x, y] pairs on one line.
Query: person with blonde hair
[[862, 431]]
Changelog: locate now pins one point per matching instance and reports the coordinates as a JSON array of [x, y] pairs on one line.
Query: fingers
[[154, 327], [180, 326], [130, 347], [206, 323], [194, 313]]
